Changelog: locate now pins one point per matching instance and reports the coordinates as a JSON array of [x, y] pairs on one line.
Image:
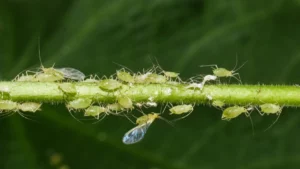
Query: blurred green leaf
[[92, 35]]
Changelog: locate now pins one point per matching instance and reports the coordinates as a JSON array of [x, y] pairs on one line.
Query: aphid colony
[[123, 104]]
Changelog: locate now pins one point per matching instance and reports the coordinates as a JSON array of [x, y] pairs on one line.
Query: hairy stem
[[160, 93]]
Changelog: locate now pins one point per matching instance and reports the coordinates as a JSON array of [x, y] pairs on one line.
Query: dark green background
[[181, 34]]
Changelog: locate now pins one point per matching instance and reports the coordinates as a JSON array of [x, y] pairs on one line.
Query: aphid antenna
[[141, 111], [6, 114], [100, 118], [70, 111], [26, 117], [273, 123], [171, 123], [211, 65], [163, 108], [124, 67], [130, 119]]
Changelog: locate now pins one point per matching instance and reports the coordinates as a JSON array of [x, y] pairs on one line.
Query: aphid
[[8, 105], [156, 78], [92, 79], [68, 88], [114, 107], [232, 112], [30, 107], [95, 111], [269, 108], [141, 78], [109, 84], [181, 109], [26, 78], [137, 133], [195, 85], [125, 102], [222, 72], [218, 104], [79, 103], [125, 76], [57, 74]]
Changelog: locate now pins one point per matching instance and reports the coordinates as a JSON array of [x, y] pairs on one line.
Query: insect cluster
[[123, 104]]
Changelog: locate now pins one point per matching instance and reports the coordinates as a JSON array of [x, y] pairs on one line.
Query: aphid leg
[[100, 118], [261, 113], [26, 117], [6, 114], [251, 121], [70, 111], [124, 67], [130, 119]]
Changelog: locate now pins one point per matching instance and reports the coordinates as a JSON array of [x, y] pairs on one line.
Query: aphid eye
[[68, 88], [109, 84], [79, 103], [125, 76], [125, 102]]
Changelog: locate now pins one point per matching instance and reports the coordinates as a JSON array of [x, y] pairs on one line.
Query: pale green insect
[[79, 103], [45, 77], [232, 112], [26, 78], [114, 107], [125, 102], [8, 105], [125, 76], [156, 78], [181, 109], [68, 88], [109, 84], [141, 78], [30, 107], [218, 104], [171, 74], [269, 108], [95, 111]]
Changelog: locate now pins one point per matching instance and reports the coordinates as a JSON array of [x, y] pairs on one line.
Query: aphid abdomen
[[79, 103], [180, 109], [125, 76], [30, 107], [269, 108], [8, 105], [233, 112], [109, 84], [222, 72], [125, 102]]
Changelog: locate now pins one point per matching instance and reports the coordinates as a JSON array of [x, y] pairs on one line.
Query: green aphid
[[79, 103], [232, 112], [30, 107], [125, 102], [125, 76], [8, 105], [95, 111], [114, 107], [156, 78], [141, 78], [269, 108], [44, 77], [109, 84], [218, 103], [68, 88], [26, 78], [171, 74], [181, 109]]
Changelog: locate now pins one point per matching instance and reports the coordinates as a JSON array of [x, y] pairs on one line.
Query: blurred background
[[181, 34]]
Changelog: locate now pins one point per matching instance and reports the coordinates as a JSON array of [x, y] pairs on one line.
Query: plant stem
[[160, 93]]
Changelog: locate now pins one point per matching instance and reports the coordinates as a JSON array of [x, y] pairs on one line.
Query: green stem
[[160, 93]]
